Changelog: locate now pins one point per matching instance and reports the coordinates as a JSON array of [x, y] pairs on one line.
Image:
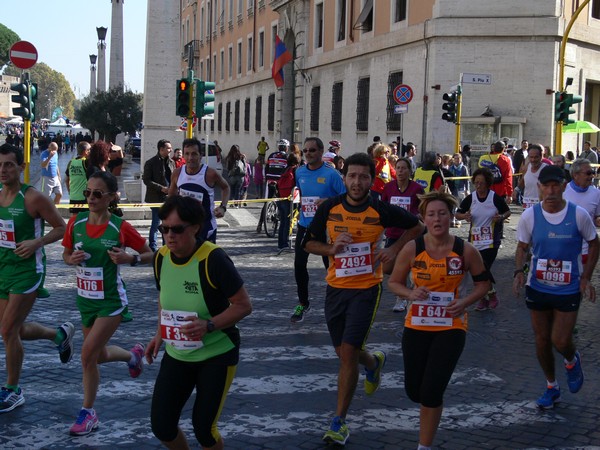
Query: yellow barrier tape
[[158, 205]]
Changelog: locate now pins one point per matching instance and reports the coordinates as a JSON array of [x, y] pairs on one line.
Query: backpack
[[238, 170], [493, 166]]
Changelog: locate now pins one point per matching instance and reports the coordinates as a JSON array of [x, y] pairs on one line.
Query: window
[[249, 63], [319, 25], [208, 19], [393, 121], [208, 68], [230, 61], [215, 15], [236, 116], [220, 117], [596, 9], [258, 113], [247, 114], [362, 105], [365, 19], [315, 104], [240, 9], [250, 8], [337, 95], [273, 35], [222, 71], [212, 126], [202, 20], [341, 22], [261, 49], [222, 14], [399, 10], [230, 12], [271, 113], [201, 70], [214, 68], [228, 116], [239, 62]]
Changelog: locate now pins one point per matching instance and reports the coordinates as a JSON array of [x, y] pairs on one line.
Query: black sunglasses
[[95, 194], [176, 229]]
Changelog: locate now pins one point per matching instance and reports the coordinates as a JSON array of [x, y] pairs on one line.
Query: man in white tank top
[[198, 181], [531, 169]]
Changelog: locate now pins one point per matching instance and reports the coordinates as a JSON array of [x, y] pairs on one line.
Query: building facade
[[350, 57]]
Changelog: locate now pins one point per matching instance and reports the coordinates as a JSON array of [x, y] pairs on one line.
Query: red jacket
[[505, 187]]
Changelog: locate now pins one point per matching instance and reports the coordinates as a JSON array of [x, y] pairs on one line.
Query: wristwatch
[[210, 326], [136, 260]]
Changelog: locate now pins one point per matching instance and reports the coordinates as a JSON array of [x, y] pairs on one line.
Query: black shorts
[[350, 313], [78, 202], [541, 301]]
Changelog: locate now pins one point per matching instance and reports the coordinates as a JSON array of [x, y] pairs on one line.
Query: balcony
[[193, 46]]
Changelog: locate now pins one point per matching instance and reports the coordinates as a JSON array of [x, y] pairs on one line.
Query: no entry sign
[[23, 54]]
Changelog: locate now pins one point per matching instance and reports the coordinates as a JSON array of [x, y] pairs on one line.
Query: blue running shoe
[[9, 399], [549, 398], [338, 432], [575, 375]]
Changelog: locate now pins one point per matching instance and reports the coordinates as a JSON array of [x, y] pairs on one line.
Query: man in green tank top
[[76, 177], [23, 211]]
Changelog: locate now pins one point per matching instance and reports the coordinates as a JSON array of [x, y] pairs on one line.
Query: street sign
[[400, 109], [23, 54], [403, 94], [477, 78], [183, 126]]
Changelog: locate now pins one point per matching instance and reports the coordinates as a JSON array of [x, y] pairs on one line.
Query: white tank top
[[195, 186], [531, 179]]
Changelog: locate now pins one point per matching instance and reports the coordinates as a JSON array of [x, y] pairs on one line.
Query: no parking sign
[[403, 94]]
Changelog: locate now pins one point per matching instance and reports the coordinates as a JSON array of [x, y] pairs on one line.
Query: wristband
[[518, 271], [136, 260], [223, 206]]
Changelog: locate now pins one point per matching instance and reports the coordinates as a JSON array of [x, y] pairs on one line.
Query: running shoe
[[299, 313], [483, 304], [65, 349], [374, 376], [549, 398], [9, 399], [135, 369], [493, 300], [338, 432], [400, 305], [575, 375], [85, 423]]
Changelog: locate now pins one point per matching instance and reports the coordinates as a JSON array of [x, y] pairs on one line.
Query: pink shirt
[[407, 200]]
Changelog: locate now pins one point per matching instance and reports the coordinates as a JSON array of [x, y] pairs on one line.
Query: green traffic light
[[205, 100]]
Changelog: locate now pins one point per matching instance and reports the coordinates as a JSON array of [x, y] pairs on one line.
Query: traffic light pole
[[458, 117], [561, 72], [27, 148], [189, 133]]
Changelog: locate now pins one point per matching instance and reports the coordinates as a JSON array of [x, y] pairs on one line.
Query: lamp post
[[93, 74], [101, 58]]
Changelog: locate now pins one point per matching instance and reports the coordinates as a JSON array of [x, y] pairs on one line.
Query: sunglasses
[[309, 150], [96, 194], [176, 229]]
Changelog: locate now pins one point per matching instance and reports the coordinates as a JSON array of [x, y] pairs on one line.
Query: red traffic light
[[184, 85]]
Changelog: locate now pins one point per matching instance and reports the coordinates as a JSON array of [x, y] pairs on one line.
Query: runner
[[23, 211], [436, 323], [199, 181], [76, 177], [316, 182], [198, 282], [555, 230], [95, 242], [528, 185], [347, 229]]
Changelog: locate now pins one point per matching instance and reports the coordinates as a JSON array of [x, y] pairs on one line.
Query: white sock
[[89, 410], [423, 447], [552, 384]]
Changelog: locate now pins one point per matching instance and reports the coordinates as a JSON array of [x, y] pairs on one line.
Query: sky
[[64, 34]]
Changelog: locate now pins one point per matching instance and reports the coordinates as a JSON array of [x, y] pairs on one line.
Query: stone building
[[351, 55]]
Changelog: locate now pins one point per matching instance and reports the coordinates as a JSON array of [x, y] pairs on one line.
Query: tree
[[53, 90], [7, 38], [111, 112]]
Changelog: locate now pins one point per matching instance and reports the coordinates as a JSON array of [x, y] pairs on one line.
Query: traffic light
[[22, 99], [450, 106], [184, 98], [33, 95], [205, 101], [563, 103]]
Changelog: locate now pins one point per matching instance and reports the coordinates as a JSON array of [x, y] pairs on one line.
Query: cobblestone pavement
[[285, 391]]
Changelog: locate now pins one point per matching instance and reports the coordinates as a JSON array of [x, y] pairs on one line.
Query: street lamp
[[101, 58], [93, 74]]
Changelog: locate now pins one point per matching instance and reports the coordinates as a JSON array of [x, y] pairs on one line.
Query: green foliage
[[7, 38], [53, 90], [111, 112]]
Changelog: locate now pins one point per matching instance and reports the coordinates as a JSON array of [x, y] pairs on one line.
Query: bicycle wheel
[[271, 219]]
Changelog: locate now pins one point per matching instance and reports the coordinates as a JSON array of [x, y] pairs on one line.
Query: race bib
[[90, 282], [354, 260], [553, 272], [528, 202], [402, 202], [7, 234], [170, 330], [309, 206], [482, 236], [195, 195], [432, 311]]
